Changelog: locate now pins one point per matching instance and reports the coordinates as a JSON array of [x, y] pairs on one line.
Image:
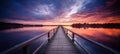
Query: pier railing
[[72, 35], [25, 46]]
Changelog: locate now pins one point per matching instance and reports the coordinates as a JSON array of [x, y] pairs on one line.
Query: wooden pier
[[61, 40], [60, 44]]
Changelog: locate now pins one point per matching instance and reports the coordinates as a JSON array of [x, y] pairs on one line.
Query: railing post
[[73, 36], [66, 31], [26, 50], [48, 36], [53, 31]]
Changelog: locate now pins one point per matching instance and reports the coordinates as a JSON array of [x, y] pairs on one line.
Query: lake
[[11, 37], [109, 37]]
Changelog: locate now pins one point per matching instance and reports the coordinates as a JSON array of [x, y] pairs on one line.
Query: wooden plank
[[60, 45]]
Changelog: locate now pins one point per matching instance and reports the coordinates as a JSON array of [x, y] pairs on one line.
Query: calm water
[[106, 36], [11, 37]]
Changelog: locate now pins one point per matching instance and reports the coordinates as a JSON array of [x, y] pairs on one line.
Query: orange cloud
[[69, 21]]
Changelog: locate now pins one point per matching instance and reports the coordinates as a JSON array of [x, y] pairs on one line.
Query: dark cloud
[[49, 9], [113, 14], [102, 9]]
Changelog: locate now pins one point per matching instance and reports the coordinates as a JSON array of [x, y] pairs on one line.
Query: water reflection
[[44, 28], [11, 37], [106, 36]]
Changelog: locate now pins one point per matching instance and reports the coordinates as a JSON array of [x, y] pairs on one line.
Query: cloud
[[43, 10], [60, 11], [110, 2], [74, 8]]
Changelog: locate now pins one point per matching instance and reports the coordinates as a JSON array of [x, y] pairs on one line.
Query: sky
[[65, 12]]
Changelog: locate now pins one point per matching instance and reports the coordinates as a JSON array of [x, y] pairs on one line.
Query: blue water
[[12, 37]]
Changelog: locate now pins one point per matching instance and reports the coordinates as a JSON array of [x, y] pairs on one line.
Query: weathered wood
[[26, 50], [60, 44], [73, 35], [48, 36]]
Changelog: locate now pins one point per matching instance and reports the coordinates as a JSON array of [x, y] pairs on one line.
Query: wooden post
[[66, 31], [26, 50], [48, 36], [73, 36], [53, 31]]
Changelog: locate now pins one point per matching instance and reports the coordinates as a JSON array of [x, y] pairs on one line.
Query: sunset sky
[[59, 11]]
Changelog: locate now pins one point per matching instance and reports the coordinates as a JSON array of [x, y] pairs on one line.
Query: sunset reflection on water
[[106, 36], [42, 29], [14, 36]]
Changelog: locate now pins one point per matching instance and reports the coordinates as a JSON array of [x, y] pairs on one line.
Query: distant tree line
[[4, 25], [105, 25]]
